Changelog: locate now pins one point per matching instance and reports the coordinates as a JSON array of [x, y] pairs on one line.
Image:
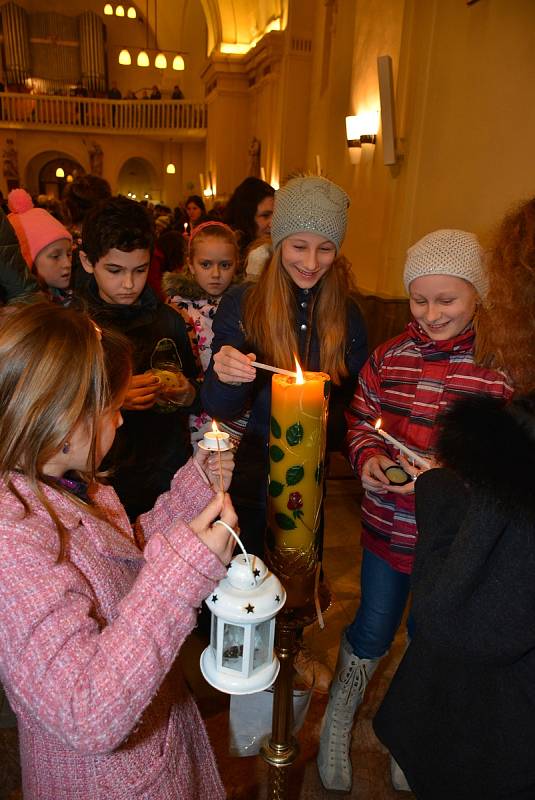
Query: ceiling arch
[[242, 22]]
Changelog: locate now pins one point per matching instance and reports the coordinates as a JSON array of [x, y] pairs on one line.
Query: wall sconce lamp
[[361, 129]]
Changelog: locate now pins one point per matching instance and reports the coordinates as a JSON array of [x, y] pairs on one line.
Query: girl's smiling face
[[213, 264], [306, 257], [53, 264], [443, 305]]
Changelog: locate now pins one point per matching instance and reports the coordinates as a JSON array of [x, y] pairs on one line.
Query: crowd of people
[[126, 328]]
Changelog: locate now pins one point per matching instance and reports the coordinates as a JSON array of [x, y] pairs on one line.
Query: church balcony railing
[[181, 118]]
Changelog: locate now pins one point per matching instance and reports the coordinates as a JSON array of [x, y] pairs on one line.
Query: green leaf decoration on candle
[[285, 522], [275, 488], [326, 389], [275, 428], [294, 434], [294, 475], [276, 453], [319, 473]]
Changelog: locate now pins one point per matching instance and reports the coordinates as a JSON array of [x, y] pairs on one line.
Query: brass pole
[[281, 749]]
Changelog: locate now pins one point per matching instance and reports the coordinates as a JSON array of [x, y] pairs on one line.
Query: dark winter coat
[[222, 401], [16, 280], [150, 446], [459, 716]]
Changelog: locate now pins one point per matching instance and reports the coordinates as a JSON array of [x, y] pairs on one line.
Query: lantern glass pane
[[213, 633], [233, 638], [262, 656]]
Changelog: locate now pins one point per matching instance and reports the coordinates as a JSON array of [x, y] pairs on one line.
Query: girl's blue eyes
[[222, 264]]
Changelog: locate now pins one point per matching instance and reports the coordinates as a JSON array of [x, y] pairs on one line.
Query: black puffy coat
[[16, 280], [459, 716]]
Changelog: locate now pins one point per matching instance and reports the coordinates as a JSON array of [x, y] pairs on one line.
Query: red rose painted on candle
[[295, 501]]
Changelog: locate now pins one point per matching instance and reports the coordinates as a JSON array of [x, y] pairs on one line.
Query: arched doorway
[[137, 179], [56, 173]]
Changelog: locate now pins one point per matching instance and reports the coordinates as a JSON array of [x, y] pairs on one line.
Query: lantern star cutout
[[249, 609], [277, 598], [256, 573], [214, 598]]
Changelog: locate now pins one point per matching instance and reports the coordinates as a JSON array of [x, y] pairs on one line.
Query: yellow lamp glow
[[60, 172], [125, 58], [178, 63], [108, 9], [160, 62], [69, 179], [131, 13], [170, 168], [143, 59], [119, 11]]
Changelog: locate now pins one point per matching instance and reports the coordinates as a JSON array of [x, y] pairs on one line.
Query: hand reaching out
[[231, 366], [216, 537], [209, 463], [142, 392]]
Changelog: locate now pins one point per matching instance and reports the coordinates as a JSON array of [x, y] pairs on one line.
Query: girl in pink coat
[[92, 616]]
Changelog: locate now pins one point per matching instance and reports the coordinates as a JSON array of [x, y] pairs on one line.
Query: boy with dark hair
[[117, 241]]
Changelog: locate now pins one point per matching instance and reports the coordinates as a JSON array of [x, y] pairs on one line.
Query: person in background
[[45, 243], [92, 617], [212, 262], [196, 211], [155, 93], [177, 93], [81, 195], [304, 303], [458, 716], [407, 383], [113, 92], [17, 283], [169, 255], [249, 211], [117, 239]]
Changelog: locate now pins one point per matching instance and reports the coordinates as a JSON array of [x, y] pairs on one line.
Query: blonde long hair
[[270, 314], [55, 373]]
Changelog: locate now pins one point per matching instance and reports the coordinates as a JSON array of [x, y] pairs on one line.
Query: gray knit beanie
[[447, 252], [310, 204]]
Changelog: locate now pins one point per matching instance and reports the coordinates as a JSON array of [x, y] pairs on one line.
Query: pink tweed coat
[[86, 646]]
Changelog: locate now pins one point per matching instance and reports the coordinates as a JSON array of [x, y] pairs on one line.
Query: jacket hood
[[183, 284], [491, 445]]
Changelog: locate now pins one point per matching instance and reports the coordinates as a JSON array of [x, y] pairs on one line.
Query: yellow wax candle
[[296, 455]]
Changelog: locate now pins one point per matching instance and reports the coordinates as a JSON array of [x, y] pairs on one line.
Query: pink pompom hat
[[35, 227]]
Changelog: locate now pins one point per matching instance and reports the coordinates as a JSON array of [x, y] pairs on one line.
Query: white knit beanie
[[447, 252], [310, 204]]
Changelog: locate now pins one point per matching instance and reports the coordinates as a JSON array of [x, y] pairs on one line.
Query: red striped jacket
[[408, 382]]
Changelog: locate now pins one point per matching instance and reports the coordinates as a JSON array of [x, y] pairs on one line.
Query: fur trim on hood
[[491, 445], [183, 284]]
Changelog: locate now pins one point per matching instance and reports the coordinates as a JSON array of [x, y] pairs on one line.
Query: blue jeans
[[384, 594]]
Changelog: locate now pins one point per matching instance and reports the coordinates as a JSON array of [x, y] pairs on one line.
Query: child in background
[[45, 243], [153, 443], [91, 622], [212, 262], [407, 382]]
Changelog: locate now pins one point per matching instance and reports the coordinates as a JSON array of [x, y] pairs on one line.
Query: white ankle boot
[[399, 781], [351, 677]]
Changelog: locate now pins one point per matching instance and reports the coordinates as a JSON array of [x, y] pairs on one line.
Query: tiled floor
[[246, 778]]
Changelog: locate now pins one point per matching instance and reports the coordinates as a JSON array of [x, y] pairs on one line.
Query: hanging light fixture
[[143, 59], [131, 13], [160, 62], [119, 11], [125, 58], [60, 172], [170, 168], [108, 10], [178, 63]]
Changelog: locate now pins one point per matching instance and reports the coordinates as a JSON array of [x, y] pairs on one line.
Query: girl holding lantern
[[458, 716], [91, 616], [407, 383], [302, 304]]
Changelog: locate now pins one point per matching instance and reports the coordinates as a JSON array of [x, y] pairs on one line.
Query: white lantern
[[240, 658]]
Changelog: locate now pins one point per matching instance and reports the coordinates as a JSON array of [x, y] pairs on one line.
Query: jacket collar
[[462, 343]]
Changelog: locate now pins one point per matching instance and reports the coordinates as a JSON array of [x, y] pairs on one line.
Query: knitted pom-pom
[[19, 201]]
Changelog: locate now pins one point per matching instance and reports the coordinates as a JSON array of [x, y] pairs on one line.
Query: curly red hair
[[506, 323]]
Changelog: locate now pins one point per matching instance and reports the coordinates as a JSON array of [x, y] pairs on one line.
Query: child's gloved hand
[[216, 537], [142, 392], [208, 461]]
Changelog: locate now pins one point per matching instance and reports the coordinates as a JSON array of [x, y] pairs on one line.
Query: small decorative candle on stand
[[216, 441]]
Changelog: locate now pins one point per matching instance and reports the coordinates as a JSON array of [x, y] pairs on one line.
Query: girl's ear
[[190, 266]]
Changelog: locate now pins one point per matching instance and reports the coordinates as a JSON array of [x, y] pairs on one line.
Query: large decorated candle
[[297, 440]]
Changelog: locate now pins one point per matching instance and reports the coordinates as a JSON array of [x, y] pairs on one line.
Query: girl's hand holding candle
[[214, 455], [410, 454], [232, 366]]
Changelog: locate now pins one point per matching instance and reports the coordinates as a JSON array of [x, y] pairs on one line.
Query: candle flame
[[215, 429], [378, 424], [298, 372]]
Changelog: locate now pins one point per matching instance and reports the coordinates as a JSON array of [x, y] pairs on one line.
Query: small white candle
[[421, 462], [216, 440], [318, 165], [201, 181], [263, 173], [185, 227]]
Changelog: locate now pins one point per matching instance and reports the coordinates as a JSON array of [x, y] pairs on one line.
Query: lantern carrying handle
[[238, 542]]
